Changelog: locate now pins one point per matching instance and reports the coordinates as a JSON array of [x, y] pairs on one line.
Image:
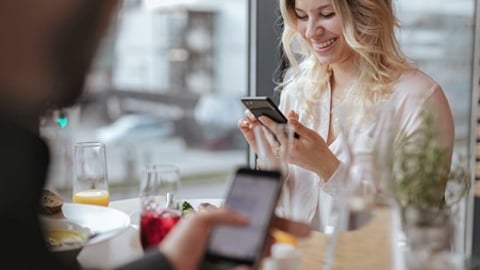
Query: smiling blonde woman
[[345, 65]]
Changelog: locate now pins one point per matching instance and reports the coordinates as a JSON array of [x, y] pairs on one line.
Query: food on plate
[[51, 202], [65, 238], [187, 208], [57, 238]]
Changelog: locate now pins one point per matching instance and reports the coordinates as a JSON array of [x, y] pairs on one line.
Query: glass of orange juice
[[90, 180]]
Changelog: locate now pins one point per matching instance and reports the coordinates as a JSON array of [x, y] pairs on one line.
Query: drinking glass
[[351, 207], [273, 148], [160, 211], [90, 181]]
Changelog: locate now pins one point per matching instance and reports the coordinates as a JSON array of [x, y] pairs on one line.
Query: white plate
[[104, 221], [196, 202], [132, 206]]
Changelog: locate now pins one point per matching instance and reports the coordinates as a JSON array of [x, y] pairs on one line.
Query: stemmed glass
[[273, 147], [160, 211], [352, 204]]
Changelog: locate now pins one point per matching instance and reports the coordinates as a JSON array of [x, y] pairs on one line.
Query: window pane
[[165, 89], [438, 36]]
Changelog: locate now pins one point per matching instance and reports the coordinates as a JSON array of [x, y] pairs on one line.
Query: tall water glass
[[350, 208], [273, 148], [90, 181], [160, 211]]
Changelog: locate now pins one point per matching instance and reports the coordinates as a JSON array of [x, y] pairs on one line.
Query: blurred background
[[165, 89], [166, 84]]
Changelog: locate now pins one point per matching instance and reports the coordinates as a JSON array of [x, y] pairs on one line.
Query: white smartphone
[[253, 193]]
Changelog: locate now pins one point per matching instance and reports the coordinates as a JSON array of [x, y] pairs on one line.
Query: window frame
[[472, 232], [264, 53]]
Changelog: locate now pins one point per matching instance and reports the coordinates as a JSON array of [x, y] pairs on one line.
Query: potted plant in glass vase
[[426, 183]]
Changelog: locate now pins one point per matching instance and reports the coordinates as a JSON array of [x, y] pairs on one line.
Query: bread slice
[[51, 202]]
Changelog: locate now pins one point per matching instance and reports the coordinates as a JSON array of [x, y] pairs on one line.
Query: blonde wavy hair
[[369, 29]]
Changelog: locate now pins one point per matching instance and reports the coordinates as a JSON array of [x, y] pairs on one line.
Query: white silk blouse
[[307, 197]]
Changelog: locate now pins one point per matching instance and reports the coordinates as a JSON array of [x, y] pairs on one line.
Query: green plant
[[419, 168]]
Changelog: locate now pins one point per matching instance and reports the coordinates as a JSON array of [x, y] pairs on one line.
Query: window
[[440, 41], [165, 88]]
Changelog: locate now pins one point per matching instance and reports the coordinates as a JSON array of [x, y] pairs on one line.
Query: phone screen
[[254, 194]]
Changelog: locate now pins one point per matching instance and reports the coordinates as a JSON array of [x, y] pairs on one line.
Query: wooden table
[[367, 248]]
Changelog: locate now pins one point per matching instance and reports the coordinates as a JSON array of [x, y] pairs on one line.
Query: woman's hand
[[310, 150], [246, 126], [263, 143]]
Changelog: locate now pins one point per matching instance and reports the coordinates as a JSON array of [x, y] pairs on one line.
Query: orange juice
[[92, 196]]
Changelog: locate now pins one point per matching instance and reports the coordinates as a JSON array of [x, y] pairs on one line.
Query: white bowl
[[65, 238]]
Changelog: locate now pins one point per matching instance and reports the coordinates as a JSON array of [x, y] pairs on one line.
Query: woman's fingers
[[292, 115], [266, 121], [283, 135], [247, 130], [266, 144]]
